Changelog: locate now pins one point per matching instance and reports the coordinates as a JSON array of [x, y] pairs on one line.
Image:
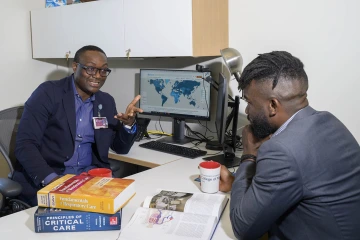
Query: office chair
[[9, 189]]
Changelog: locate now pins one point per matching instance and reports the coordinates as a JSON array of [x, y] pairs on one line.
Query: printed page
[[168, 200], [206, 204], [149, 223], [197, 203]]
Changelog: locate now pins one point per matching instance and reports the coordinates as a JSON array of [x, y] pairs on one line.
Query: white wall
[[324, 34], [20, 74]]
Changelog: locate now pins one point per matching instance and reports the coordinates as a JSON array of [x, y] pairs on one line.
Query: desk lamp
[[233, 61]]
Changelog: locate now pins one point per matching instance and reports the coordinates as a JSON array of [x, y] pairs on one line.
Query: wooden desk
[[177, 175]]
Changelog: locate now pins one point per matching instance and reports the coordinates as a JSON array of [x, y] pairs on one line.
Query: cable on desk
[[160, 125], [213, 154], [196, 144], [156, 132], [207, 129], [200, 136]]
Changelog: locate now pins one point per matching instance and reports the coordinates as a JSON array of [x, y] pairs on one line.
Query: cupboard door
[[158, 28], [56, 31]]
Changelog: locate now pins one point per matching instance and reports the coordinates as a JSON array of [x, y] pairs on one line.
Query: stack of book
[[82, 203]]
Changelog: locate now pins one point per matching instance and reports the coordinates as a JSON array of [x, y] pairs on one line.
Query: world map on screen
[[177, 91]]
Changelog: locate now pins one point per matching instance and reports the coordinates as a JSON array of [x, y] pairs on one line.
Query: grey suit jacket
[[305, 183]]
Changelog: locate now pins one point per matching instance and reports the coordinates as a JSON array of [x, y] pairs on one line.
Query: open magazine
[[176, 215]]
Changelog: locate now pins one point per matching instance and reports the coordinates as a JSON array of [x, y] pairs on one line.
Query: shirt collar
[[285, 124], [76, 94]]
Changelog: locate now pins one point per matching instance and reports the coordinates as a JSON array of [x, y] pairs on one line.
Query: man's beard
[[261, 127]]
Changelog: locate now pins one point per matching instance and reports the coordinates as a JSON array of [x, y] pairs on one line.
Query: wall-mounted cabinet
[[148, 28]]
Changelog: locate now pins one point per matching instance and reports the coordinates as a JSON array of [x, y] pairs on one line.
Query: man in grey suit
[[299, 176]]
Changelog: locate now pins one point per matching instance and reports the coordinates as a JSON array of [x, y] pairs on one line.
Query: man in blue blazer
[[68, 126], [299, 176]]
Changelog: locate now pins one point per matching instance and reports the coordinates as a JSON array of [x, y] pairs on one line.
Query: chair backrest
[[9, 123]]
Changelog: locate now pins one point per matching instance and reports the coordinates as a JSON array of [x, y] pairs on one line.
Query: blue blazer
[[46, 135]]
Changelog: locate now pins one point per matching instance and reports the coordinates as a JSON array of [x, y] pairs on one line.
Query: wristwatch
[[130, 127], [248, 157]]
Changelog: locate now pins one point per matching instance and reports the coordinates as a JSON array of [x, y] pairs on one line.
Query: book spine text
[[82, 203], [76, 222]]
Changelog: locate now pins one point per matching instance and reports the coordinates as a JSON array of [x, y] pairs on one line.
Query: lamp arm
[[237, 76]]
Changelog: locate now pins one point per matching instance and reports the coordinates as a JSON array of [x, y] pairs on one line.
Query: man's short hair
[[84, 49], [272, 66]]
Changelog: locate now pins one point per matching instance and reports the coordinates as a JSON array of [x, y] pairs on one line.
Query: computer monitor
[[227, 144], [180, 94], [221, 114]]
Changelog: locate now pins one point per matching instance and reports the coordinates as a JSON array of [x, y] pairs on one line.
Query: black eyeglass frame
[[242, 95], [100, 70]]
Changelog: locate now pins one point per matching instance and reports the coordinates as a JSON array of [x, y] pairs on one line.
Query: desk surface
[[151, 158], [144, 157], [177, 175]]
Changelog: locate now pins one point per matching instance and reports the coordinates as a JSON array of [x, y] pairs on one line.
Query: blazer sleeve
[[264, 191], [122, 140], [31, 130]]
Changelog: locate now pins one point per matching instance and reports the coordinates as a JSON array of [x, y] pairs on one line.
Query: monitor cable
[[200, 136]]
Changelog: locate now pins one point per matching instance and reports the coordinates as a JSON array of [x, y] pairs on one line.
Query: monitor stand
[[214, 145], [179, 133], [174, 140], [227, 162]]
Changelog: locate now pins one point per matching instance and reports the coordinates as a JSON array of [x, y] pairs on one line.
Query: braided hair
[[272, 66]]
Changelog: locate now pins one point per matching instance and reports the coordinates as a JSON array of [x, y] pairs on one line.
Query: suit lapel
[[69, 107]]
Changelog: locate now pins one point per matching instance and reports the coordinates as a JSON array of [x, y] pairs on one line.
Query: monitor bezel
[[221, 109], [174, 115]]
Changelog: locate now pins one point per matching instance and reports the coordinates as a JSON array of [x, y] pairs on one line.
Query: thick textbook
[[87, 193], [62, 220], [176, 215]]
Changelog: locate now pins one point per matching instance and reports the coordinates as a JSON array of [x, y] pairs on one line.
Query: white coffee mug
[[209, 176]]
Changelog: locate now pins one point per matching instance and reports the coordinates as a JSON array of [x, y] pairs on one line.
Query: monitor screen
[[175, 93]]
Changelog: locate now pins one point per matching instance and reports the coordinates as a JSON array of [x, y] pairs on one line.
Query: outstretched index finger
[[135, 100]]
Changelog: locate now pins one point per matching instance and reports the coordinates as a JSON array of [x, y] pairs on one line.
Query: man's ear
[[74, 66], [274, 106]]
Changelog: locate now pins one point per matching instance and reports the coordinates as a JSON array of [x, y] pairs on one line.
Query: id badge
[[100, 122]]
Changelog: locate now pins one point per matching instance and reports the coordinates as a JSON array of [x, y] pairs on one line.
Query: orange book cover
[[87, 193]]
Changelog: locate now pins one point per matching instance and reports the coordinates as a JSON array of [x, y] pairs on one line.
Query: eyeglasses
[[104, 72], [242, 95]]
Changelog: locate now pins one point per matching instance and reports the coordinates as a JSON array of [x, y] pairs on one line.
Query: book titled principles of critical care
[[61, 220]]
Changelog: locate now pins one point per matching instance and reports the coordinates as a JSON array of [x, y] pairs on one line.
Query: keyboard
[[173, 149]]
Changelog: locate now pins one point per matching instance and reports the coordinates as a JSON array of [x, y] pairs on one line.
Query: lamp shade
[[233, 61]]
